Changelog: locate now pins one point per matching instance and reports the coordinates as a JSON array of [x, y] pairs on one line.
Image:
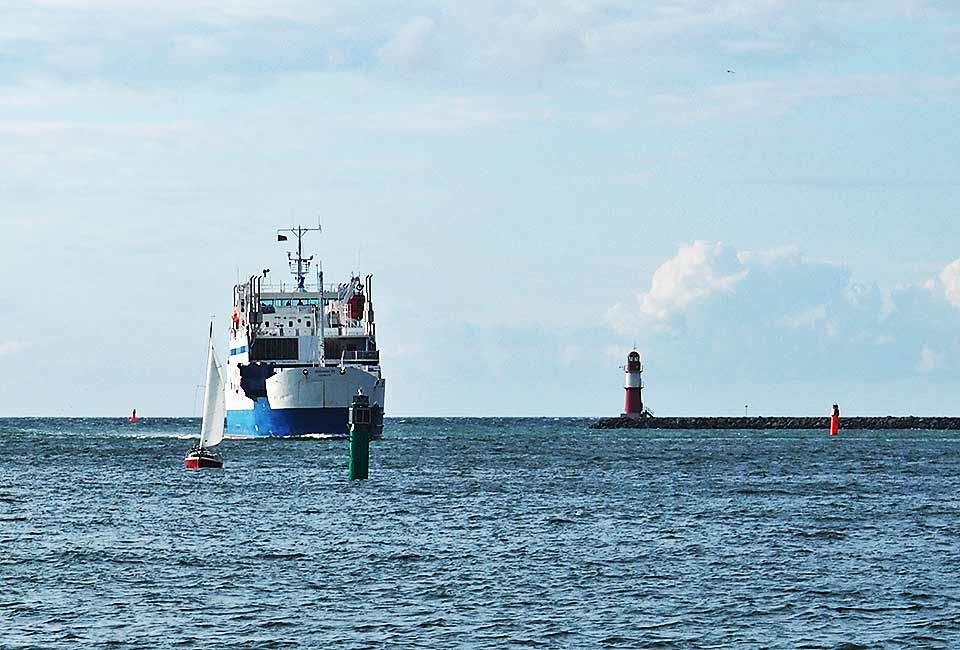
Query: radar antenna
[[299, 265]]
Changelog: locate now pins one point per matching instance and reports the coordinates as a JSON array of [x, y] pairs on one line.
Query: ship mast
[[302, 263]]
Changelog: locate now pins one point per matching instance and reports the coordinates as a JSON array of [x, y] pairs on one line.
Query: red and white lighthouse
[[633, 384]]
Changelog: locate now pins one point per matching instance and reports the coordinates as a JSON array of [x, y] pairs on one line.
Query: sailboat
[[214, 410]]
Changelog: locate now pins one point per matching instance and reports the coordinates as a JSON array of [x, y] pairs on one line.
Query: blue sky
[[536, 186]]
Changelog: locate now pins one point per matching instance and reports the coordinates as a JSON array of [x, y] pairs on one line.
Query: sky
[[762, 195]]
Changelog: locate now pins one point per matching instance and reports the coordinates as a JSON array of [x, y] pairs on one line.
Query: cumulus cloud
[[698, 271], [776, 313], [950, 280], [792, 289]]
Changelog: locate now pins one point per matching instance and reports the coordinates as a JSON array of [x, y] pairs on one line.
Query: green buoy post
[[360, 430]]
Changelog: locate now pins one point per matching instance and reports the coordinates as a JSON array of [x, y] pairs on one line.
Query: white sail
[[211, 430]]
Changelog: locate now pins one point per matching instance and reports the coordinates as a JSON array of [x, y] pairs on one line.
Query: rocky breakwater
[[886, 422]]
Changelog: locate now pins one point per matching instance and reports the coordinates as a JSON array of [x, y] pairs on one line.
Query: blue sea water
[[479, 533]]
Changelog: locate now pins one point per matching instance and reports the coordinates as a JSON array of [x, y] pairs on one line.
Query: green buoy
[[360, 430]]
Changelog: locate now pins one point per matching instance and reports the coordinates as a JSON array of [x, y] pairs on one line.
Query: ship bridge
[[304, 325]]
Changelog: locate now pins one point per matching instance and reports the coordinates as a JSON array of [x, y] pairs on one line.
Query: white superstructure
[[299, 352]]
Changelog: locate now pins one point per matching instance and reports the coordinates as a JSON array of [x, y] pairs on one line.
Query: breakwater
[[781, 422]]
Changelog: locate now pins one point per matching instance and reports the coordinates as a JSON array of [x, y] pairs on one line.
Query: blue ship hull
[[265, 422]]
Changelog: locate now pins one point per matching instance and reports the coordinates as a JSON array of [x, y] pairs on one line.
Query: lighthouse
[[633, 384]]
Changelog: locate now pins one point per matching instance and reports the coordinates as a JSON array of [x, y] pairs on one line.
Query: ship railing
[[330, 291], [342, 290], [286, 287], [334, 331], [350, 356]]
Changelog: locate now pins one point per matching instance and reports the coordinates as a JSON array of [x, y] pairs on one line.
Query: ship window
[[308, 323], [291, 323], [275, 349], [268, 323]]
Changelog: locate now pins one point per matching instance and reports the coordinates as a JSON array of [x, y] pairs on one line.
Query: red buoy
[[133, 418], [835, 421]]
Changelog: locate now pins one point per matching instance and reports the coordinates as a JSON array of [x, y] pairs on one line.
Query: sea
[[479, 533]]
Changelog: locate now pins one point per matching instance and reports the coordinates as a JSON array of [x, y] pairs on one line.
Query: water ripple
[[479, 533]]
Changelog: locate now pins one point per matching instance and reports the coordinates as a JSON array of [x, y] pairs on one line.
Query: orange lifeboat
[[355, 306]]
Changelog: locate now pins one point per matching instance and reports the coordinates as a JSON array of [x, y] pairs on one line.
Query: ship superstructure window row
[[289, 302], [275, 349]]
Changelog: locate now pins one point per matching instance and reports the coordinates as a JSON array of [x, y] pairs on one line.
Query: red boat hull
[[196, 460]]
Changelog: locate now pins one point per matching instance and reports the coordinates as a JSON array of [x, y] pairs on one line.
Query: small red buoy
[[133, 418], [835, 421]]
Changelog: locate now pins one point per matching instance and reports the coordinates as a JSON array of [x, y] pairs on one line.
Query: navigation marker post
[[835, 421], [360, 430]]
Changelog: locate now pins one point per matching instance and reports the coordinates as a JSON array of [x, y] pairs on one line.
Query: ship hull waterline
[[262, 421], [205, 460]]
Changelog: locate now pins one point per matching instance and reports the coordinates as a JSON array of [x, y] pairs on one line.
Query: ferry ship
[[299, 353]]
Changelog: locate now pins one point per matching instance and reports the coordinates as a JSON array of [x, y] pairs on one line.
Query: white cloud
[[698, 272], [592, 41], [776, 313], [950, 280], [703, 273]]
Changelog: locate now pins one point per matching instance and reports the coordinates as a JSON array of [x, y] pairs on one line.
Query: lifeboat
[[355, 306]]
